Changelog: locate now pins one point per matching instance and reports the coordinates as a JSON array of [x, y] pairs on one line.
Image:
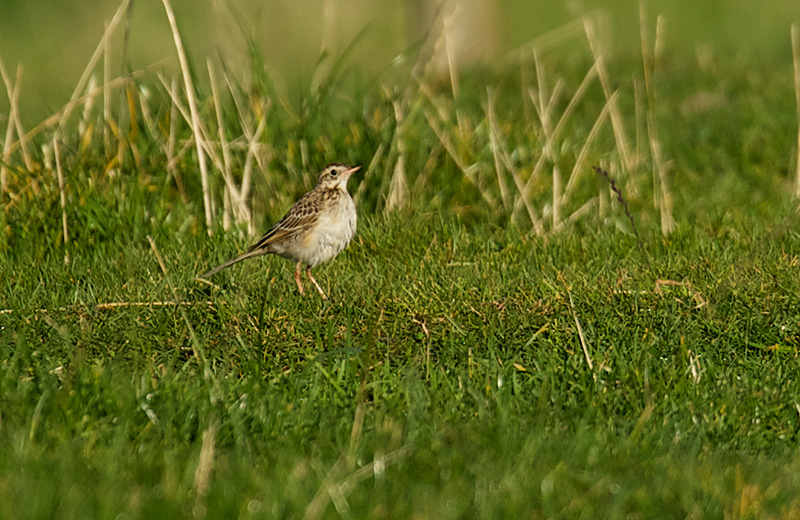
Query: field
[[510, 334]]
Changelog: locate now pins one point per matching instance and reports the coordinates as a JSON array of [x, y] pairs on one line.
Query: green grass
[[493, 410], [446, 376]]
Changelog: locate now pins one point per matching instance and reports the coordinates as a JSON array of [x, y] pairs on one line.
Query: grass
[[459, 362], [496, 343]]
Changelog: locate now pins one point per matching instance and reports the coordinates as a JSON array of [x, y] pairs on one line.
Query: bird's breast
[[334, 230]]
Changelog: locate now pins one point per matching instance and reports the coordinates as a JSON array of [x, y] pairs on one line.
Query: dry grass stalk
[[99, 50], [662, 195], [108, 306], [441, 109], [640, 119], [121, 305], [557, 36], [556, 197], [13, 119], [85, 126], [202, 474], [123, 62], [578, 213], [579, 162], [167, 142], [494, 145], [697, 296], [556, 133], [373, 166], [106, 90], [506, 160], [226, 208], [63, 195], [199, 139], [544, 107], [172, 138], [195, 117], [253, 153], [468, 171], [451, 64], [149, 120], [241, 210], [13, 99], [398, 188], [796, 62], [575, 99], [128, 142], [60, 114], [226, 155], [584, 344], [254, 145], [616, 118], [695, 367], [336, 489]]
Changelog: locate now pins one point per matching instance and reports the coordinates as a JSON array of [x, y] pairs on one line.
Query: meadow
[[510, 334]]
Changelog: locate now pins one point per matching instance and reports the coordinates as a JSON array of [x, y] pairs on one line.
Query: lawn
[[508, 335]]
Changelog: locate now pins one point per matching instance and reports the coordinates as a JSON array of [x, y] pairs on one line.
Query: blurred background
[[54, 39]]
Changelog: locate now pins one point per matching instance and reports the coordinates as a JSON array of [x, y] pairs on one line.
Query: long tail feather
[[243, 256]]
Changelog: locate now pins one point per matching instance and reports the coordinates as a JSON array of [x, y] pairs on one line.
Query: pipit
[[314, 230]]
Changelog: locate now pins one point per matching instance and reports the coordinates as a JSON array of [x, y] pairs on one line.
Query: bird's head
[[334, 176]]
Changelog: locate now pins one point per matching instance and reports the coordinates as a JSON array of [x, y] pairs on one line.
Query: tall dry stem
[[584, 153], [13, 99], [254, 145], [13, 119], [494, 144], [556, 133], [512, 170], [106, 90], [661, 192], [87, 72], [62, 194], [617, 124], [195, 117], [544, 105], [796, 62], [223, 143], [85, 126], [398, 188]]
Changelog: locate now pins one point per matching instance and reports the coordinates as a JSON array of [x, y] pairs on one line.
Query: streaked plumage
[[314, 230]]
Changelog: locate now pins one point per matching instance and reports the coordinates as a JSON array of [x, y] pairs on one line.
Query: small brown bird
[[314, 230]]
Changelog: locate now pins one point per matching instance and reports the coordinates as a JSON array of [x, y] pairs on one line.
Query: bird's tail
[[243, 256]]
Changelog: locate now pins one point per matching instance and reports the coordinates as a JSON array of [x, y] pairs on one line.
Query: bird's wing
[[300, 217]]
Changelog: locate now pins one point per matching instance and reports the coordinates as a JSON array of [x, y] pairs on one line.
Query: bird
[[314, 230]]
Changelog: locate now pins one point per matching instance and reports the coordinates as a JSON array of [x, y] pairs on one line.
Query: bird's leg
[[297, 278], [321, 292]]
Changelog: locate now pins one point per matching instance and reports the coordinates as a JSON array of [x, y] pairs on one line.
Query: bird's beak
[[351, 171]]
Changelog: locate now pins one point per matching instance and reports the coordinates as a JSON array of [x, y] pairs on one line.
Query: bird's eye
[[333, 173]]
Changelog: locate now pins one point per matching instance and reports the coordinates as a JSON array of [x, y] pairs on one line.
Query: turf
[[467, 364], [457, 363]]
